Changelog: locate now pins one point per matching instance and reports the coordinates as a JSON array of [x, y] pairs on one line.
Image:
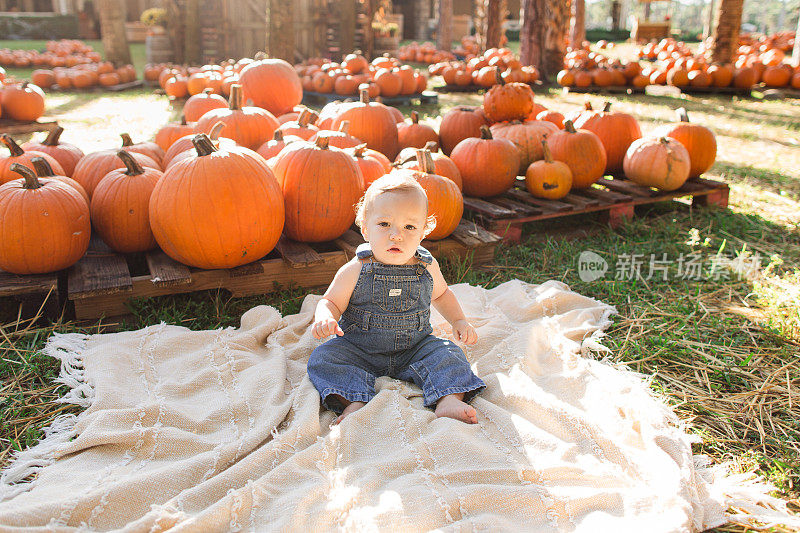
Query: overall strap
[[424, 255], [364, 251]]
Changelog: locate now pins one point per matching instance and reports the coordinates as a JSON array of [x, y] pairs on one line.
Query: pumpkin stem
[[664, 141], [344, 127], [235, 99], [363, 96], [425, 160], [322, 141], [548, 156], [414, 117], [207, 92], [133, 166], [305, 117], [277, 136], [203, 145], [607, 107], [587, 105], [183, 120], [53, 136], [31, 181], [358, 151], [569, 126], [13, 147], [486, 133], [498, 77], [216, 130], [126, 140], [24, 84], [260, 55], [433, 146], [683, 116], [42, 167]]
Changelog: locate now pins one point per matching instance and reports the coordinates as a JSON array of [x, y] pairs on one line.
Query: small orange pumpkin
[[662, 163], [414, 134], [698, 140], [547, 178], [488, 166]]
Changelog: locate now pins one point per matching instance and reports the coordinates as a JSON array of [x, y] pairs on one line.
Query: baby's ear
[[430, 224]]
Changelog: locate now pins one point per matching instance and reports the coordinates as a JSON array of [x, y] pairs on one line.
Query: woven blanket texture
[[222, 431]]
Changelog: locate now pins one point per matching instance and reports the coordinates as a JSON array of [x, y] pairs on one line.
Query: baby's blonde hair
[[399, 182]]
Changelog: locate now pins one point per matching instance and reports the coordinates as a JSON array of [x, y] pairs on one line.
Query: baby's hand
[[465, 332], [326, 327]]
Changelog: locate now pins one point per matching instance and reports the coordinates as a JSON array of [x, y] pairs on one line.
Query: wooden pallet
[[15, 127], [613, 89], [785, 92], [32, 293], [425, 97], [101, 283], [100, 88], [720, 91], [537, 86], [615, 198]]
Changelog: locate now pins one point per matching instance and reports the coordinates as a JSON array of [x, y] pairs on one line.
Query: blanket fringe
[[68, 348]]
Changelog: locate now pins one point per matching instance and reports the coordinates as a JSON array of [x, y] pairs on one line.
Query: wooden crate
[[101, 283], [614, 198], [15, 127]]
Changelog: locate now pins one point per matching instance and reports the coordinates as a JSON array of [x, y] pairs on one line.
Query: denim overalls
[[387, 332]]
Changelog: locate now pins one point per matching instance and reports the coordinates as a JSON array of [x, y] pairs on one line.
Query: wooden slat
[[710, 184], [471, 235], [100, 271], [165, 271], [548, 206], [627, 187], [489, 209], [609, 197], [297, 254], [250, 269], [16, 285], [349, 242], [517, 207], [579, 201], [14, 127]]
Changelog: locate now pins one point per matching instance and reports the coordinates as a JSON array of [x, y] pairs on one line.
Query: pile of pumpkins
[[676, 64], [423, 53], [84, 76], [63, 53], [485, 70], [21, 101], [585, 68], [384, 76]]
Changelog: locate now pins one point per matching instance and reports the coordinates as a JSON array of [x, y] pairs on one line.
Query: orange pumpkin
[[218, 209], [248, 126], [458, 124], [445, 202], [120, 211], [581, 151], [547, 178], [699, 141], [44, 170], [527, 136], [199, 104], [273, 85], [371, 122], [66, 154], [488, 166], [150, 149], [414, 134], [616, 131], [23, 102], [18, 155], [273, 147], [94, 166], [321, 186], [443, 165], [508, 101], [371, 168], [45, 224], [172, 132], [657, 162]]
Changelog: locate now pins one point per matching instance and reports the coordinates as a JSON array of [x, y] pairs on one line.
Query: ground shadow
[[764, 179]]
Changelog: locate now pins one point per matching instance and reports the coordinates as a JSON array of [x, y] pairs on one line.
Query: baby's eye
[[383, 224], [410, 227]]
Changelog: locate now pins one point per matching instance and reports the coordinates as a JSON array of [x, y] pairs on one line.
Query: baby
[[378, 306]]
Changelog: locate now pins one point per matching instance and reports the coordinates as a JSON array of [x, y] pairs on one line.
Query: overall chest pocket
[[396, 294]]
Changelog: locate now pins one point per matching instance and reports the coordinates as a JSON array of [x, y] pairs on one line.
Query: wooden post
[[616, 8], [727, 21], [112, 31], [191, 33], [444, 35], [577, 31], [494, 23], [347, 26], [280, 30]]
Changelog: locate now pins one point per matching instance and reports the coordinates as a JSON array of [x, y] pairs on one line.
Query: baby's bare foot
[[352, 407], [451, 406]]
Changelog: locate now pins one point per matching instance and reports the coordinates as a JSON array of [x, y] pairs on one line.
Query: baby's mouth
[[394, 249]]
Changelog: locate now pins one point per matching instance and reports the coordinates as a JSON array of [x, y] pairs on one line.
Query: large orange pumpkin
[[44, 170], [23, 102], [18, 155], [488, 166], [698, 140], [445, 202], [443, 165], [657, 162], [341, 138], [120, 211], [172, 132], [508, 101], [302, 127], [248, 126], [414, 134], [616, 131], [199, 104], [458, 124], [547, 178], [581, 151], [371, 122], [272, 84], [527, 136], [94, 166], [321, 185], [45, 224], [219, 209], [150, 149], [371, 168], [66, 154]]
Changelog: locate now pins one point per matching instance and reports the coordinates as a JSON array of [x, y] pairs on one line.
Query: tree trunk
[[494, 24], [543, 41], [708, 25], [577, 31], [347, 27], [616, 9], [444, 35], [191, 33], [727, 20], [112, 31], [280, 28]]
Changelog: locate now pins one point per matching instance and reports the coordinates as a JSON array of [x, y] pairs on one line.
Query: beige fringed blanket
[[222, 431]]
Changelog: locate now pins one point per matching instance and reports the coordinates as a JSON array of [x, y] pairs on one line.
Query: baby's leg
[[453, 406], [341, 375], [350, 408]]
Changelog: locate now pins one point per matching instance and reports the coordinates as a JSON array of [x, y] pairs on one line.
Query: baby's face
[[395, 226]]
